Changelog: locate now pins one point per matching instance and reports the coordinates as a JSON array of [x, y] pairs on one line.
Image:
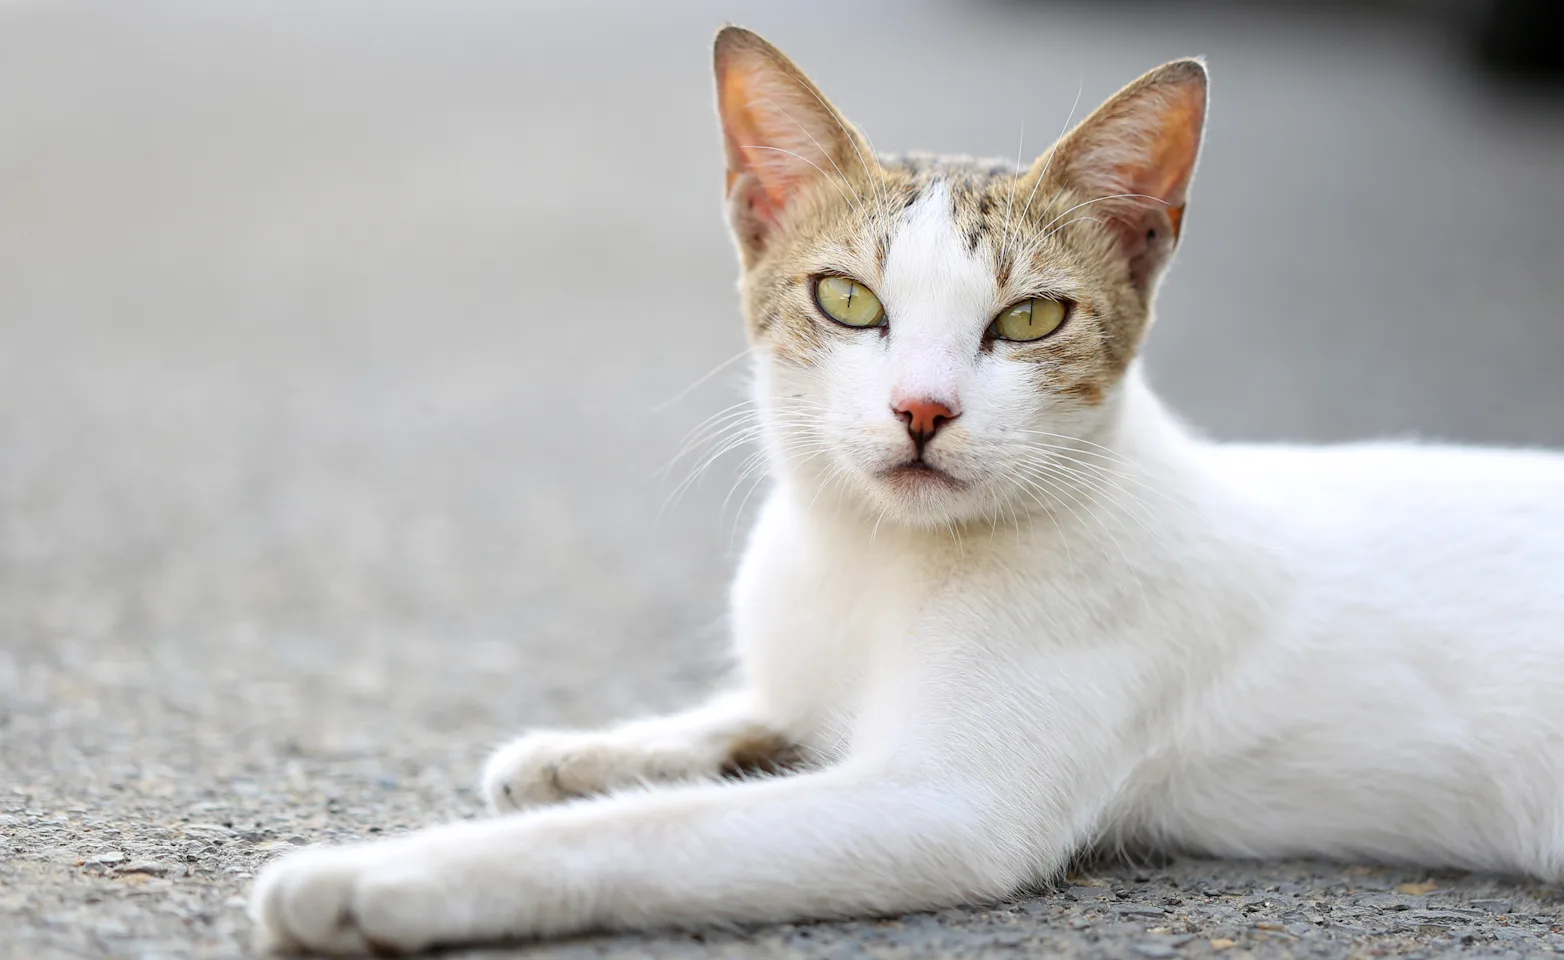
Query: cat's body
[[1001, 607], [1297, 666]]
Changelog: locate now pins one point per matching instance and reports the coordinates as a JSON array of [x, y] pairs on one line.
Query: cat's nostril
[[924, 417]]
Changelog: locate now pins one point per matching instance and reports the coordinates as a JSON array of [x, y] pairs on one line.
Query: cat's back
[[1413, 621], [1427, 494], [1379, 538]]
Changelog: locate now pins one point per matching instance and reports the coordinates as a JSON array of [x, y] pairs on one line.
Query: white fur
[[1129, 636]]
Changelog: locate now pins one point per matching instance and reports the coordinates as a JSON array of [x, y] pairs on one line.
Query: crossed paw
[[548, 767]]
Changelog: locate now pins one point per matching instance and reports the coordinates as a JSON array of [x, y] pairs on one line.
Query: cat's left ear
[[1132, 162], [780, 135]]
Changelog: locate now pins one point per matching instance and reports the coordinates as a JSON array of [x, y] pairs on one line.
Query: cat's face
[[941, 339]]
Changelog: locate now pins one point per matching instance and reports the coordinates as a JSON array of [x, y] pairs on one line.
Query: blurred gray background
[[338, 340]]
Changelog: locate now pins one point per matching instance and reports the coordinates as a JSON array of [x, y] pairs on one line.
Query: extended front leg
[[839, 842], [728, 735], [964, 781]]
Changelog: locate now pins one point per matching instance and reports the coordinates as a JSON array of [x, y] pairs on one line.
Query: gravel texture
[[334, 346]]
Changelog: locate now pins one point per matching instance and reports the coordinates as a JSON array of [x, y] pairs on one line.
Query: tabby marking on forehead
[[935, 289]]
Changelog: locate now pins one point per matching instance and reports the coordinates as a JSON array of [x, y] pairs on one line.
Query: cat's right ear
[[779, 133]]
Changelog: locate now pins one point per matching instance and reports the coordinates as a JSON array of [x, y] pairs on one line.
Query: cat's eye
[[848, 302], [1028, 320]]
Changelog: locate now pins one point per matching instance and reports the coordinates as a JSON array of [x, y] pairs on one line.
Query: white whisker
[[873, 180], [659, 408], [1010, 202], [1052, 151], [824, 152]]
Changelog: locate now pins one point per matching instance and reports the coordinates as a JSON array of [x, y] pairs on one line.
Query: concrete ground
[[335, 350]]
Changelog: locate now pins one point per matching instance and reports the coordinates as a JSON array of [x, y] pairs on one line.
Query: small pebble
[[149, 867]]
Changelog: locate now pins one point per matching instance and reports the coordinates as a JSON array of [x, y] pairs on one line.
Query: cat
[[1001, 608]]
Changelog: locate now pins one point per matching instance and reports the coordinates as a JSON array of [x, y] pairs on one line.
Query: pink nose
[[924, 417]]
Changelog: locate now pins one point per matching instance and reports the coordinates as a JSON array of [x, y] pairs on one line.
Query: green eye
[[1028, 320], [848, 303]]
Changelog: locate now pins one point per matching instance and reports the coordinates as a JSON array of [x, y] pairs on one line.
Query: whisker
[[1128, 564], [1052, 152], [723, 414], [679, 491], [1103, 472], [1089, 443], [1087, 203], [1066, 224], [1033, 491], [1097, 482], [873, 180], [659, 408], [711, 430], [1107, 501], [731, 436], [824, 152], [838, 186], [1010, 202]]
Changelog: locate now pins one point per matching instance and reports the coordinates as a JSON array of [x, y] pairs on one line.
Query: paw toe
[[544, 768], [351, 900], [304, 902], [518, 777]]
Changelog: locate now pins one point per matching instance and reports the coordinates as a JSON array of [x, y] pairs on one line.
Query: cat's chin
[[920, 494]]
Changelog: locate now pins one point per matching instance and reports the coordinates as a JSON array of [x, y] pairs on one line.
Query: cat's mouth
[[919, 474]]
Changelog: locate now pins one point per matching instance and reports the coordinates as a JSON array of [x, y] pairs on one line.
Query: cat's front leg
[[727, 735], [837, 842]]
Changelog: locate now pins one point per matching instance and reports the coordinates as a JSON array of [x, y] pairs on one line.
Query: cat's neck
[[1142, 431]]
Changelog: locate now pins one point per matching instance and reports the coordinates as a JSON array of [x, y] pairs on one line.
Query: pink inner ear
[[1164, 169], [747, 140], [1142, 144], [1141, 150], [780, 133]]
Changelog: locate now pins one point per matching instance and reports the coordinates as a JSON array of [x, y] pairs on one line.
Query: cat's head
[[942, 338]]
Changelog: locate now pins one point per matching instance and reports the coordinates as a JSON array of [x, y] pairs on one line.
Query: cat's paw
[[380, 898], [548, 767]]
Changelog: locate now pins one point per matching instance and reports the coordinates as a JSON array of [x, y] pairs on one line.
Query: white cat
[[1000, 607]]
